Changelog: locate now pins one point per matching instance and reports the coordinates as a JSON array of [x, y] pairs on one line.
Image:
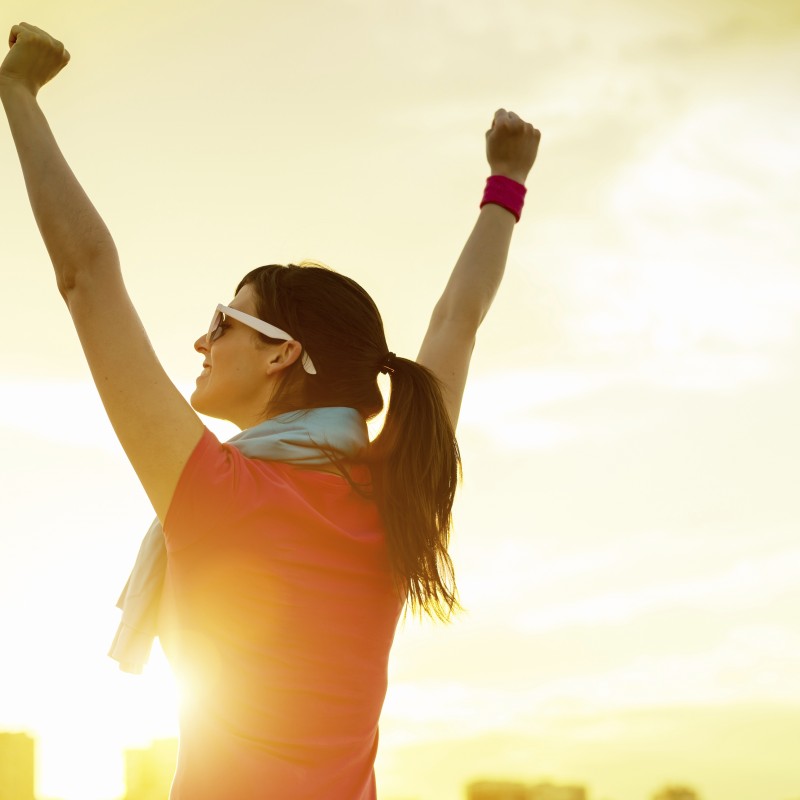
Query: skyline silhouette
[[148, 772]]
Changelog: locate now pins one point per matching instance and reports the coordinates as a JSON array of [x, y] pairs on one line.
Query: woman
[[291, 551]]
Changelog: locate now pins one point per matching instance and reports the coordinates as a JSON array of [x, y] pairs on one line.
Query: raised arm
[[511, 147], [155, 425]]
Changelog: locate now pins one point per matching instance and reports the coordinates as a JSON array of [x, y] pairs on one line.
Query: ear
[[282, 356]]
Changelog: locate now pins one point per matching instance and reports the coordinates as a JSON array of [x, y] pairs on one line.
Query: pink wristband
[[505, 192]]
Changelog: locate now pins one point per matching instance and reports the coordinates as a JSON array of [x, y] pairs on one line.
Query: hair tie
[[387, 363]]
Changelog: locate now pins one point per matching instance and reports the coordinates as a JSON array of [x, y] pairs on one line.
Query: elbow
[[454, 329], [466, 318], [82, 273], [70, 281], [66, 285]]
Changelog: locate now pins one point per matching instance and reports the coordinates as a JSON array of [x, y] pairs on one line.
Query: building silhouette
[[496, 790], [149, 771], [514, 790], [676, 793], [547, 791], [17, 766]]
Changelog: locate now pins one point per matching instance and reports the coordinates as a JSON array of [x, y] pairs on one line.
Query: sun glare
[[80, 756]]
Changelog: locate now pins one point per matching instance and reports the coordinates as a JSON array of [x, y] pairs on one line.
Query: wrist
[[506, 192], [12, 86], [515, 175]]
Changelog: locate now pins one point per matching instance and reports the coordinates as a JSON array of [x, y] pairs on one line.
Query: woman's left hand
[[511, 145], [34, 58]]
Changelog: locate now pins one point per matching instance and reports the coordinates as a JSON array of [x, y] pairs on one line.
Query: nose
[[201, 345]]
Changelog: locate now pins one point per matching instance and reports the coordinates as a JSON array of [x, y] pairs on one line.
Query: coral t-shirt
[[279, 614]]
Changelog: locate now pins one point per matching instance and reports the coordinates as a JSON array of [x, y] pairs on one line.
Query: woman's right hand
[[34, 58], [511, 145]]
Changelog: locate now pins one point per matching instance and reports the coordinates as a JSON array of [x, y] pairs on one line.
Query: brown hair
[[415, 459]]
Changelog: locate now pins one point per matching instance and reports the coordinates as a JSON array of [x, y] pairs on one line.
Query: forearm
[[479, 270], [74, 233]]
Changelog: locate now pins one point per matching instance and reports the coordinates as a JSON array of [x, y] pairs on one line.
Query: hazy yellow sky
[[627, 534]]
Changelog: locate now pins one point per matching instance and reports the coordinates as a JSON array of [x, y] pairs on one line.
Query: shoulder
[[220, 486]]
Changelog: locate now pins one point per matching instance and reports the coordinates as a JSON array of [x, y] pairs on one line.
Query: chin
[[196, 402], [201, 406]]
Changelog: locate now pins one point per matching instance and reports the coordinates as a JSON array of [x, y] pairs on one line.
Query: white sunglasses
[[215, 329]]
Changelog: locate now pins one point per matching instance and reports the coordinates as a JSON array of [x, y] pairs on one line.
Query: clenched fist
[[35, 57], [511, 145]]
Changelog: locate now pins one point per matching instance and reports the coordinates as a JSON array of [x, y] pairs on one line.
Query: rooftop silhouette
[[513, 790], [17, 766]]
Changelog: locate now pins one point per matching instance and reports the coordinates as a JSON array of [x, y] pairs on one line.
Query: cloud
[[68, 413], [65, 412], [753, 664], [502, 406], [730, 588], [619, 378]]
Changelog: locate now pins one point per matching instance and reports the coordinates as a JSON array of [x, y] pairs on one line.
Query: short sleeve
[[217, 486]]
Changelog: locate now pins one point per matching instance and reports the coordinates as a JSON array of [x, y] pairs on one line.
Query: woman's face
[[238, 375]]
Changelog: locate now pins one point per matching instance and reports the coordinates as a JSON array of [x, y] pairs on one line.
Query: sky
[[626, 540]]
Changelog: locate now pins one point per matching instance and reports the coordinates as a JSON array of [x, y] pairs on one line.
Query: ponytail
[[415, 461], [416, 467]]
